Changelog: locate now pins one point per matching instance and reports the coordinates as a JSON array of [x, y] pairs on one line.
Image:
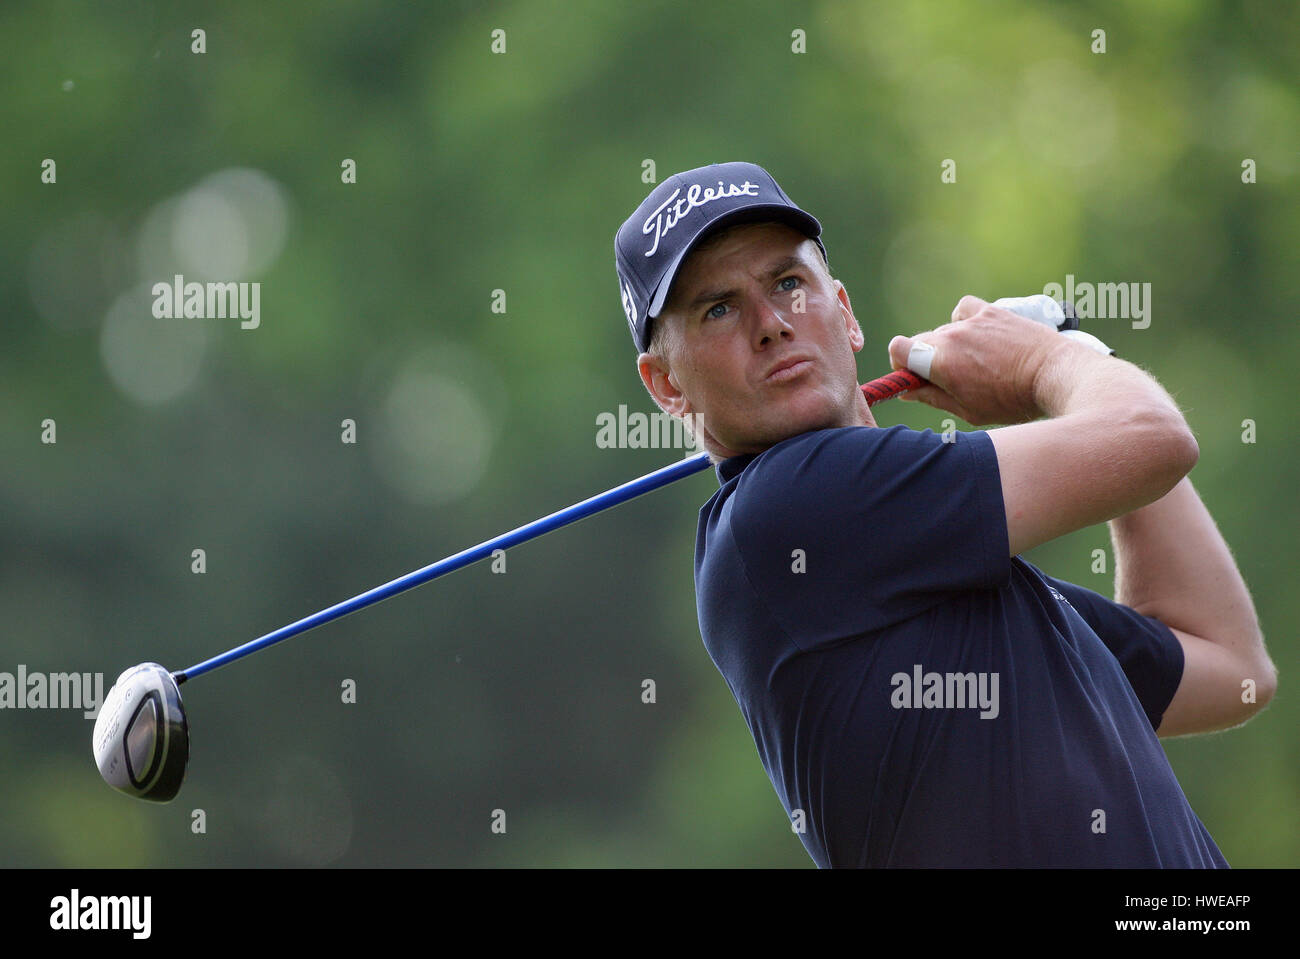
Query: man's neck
[[856, 414]]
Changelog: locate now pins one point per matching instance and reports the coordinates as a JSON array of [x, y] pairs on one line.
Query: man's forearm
[[1138, 441], [1171, 563], [1074, 379]]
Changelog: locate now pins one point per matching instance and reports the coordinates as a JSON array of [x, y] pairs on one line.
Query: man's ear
[[851, 325], [658, 379]]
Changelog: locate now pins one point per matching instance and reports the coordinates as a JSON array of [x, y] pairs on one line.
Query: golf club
[[141, 736]]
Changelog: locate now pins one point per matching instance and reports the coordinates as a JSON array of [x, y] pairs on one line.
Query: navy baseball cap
[[653, 242]]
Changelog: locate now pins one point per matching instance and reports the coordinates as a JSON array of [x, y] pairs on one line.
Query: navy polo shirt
[[919, 697]]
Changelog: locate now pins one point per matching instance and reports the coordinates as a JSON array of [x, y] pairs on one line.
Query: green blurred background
[[481, 171]]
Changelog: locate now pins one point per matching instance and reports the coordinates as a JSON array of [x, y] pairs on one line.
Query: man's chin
[[792, 422], [812, 411]]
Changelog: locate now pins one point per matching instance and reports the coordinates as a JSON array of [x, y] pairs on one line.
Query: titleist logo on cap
[[669, 213], [648, 253]]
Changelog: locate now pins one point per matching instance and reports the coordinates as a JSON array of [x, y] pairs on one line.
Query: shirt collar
[[729, 469]]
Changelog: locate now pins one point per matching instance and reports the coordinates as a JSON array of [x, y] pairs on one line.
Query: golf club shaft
[[877, 390]]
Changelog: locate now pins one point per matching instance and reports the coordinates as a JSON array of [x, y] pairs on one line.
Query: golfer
[[919, 694]]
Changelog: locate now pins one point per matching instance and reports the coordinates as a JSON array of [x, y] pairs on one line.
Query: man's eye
[[788, 279], [711, 315]]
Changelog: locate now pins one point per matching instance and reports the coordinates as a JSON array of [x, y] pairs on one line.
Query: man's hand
[[986, 365]]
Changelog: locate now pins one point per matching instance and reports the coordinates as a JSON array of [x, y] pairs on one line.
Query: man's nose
[[770, 323]]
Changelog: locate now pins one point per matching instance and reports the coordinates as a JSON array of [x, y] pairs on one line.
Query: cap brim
[[797, 219]]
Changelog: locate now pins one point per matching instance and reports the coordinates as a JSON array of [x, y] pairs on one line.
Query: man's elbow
[[1178, 444], [1265, 684], [1173, 451], [1189, 451], [1258, 686]]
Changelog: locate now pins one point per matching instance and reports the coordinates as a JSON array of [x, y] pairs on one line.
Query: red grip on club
[[889, 385]]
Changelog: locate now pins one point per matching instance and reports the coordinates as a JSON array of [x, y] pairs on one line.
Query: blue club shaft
[[876, 391], [570, 514]]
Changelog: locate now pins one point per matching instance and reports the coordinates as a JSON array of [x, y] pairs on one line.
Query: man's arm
[[1172, 564], [1114, 446], [1113, 441]]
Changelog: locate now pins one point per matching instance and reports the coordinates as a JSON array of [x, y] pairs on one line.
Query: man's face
[[738, 313]]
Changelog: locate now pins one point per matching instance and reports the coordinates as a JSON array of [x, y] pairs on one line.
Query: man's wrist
[[1058, 377]]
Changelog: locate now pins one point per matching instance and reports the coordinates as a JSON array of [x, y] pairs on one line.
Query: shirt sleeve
[[851, 530], [1149, 653]]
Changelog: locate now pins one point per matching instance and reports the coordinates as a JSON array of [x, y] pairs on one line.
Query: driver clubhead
[[141, 740]]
